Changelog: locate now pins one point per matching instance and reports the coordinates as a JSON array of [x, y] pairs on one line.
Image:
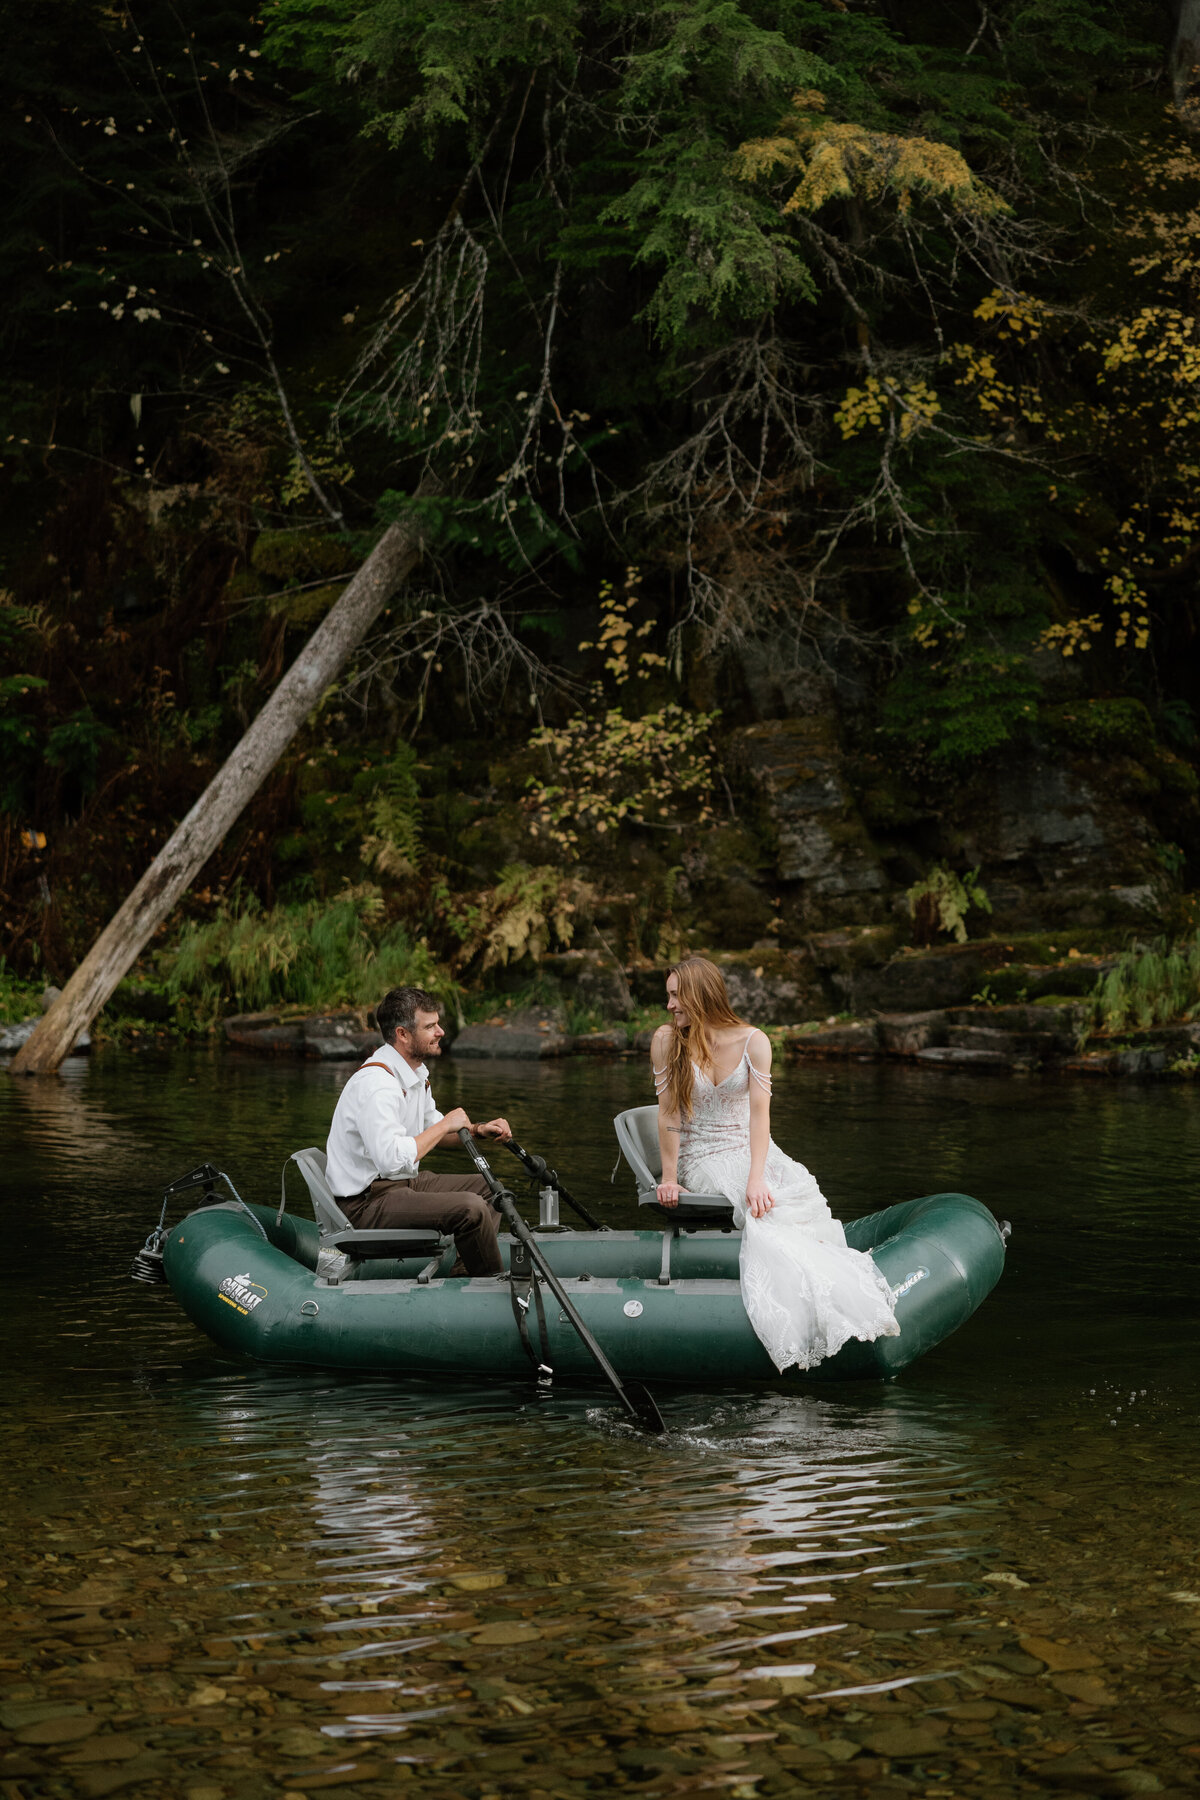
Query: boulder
[[1089, 1062], [339, 1037], [903, 1034], [1040, 1028], [269, 1037], [13, 1036], [523, 1036], [859, 1038], [918, 982], [769, 986], [600, 1043], [342, 1048], [1148, 1060]]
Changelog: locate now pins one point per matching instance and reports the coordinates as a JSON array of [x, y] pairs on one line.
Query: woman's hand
[[759, 1198], [668, 1193]]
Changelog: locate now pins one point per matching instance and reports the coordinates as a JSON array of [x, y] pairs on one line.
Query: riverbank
[[991, 1006]]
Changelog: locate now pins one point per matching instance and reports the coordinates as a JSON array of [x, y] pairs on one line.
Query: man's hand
[[668, 1193], [454, 1121], [495, 1128]]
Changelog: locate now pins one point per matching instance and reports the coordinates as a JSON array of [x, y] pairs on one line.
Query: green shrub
[[317, 954], [956, 710], [1103, 725]]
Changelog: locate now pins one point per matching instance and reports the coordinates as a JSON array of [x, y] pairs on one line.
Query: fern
[[317, 954], [941, 900], [1150, 984], [393, 844]]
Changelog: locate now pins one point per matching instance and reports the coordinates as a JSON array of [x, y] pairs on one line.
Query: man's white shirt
[[378, 1117]]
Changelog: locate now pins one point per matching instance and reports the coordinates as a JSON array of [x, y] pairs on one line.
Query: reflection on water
[[981, 1580]]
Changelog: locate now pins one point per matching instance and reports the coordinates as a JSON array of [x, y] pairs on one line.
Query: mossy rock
[[1175, 775], [299, 555]]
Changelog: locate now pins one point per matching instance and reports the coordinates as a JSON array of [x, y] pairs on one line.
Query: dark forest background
[[804, 403]]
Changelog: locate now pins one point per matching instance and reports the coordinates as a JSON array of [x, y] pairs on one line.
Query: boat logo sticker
[[632, 1309], [910, 1281], [241, 1293]]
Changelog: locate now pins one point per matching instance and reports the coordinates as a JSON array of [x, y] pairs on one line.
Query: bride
[[805, 1291]]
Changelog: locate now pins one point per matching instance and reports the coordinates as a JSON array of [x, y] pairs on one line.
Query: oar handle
[[540, 1169], [646, 1414]]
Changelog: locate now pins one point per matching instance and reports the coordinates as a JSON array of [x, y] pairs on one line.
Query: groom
[[385, 1121]]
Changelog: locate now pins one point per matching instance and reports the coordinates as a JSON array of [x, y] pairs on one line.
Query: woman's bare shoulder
[[660, 1041], [759, 1047]]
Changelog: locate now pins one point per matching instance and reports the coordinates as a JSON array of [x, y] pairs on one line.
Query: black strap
[[520, 1306]]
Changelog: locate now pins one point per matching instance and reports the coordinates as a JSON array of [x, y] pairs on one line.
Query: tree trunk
[[1185, 63], [234, 785]]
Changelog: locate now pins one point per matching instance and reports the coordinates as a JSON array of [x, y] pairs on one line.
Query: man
[[385, 1121]]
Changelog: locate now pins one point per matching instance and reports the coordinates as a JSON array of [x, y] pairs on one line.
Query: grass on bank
[[20, 997]]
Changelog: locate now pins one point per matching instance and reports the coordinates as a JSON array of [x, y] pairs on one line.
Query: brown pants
[[459, 1204]]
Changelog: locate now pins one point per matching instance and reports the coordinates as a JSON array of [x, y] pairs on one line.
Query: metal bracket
[[664, 1273]]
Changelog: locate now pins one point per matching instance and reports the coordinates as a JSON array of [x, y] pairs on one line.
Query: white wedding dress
[[806, 1293]]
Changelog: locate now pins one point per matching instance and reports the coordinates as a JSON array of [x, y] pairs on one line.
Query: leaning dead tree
[[231, 789]]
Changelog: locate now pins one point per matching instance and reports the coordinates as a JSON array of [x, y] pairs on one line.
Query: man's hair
[[398, 1010]]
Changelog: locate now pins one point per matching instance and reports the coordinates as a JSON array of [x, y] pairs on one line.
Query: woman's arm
[[668, 1120], [759, 1198]]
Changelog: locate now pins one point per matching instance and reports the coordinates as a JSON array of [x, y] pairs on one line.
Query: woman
[[805, 1291]]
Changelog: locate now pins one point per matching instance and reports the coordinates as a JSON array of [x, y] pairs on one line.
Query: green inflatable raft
[[663, 1304]]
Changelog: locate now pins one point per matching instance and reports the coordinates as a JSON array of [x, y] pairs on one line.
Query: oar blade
[[644, 1407]]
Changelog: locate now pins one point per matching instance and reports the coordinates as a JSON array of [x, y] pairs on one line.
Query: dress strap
[[660, 1081], [764, 1081]]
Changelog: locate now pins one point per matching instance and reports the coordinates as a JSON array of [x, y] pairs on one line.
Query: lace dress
[[806, 1293]]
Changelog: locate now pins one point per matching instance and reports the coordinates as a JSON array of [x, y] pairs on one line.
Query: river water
[[980, 1580]]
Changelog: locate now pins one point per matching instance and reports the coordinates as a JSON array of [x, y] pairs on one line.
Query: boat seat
[[637, 1134], [337, 1233]]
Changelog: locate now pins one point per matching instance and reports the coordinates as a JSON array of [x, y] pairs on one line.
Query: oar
[[541, 1171], [634, 1397]]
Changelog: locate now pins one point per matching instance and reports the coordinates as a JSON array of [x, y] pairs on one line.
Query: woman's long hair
[[705, 999]]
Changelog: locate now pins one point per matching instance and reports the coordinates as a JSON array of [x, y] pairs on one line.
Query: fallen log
[[227, 794]]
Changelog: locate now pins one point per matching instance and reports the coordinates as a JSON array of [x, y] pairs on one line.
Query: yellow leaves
[[1015, 315], [868, 407], [862, 407], [840, 160], [1132, 614], [617, 628], [610, 767], [1076, 634]]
